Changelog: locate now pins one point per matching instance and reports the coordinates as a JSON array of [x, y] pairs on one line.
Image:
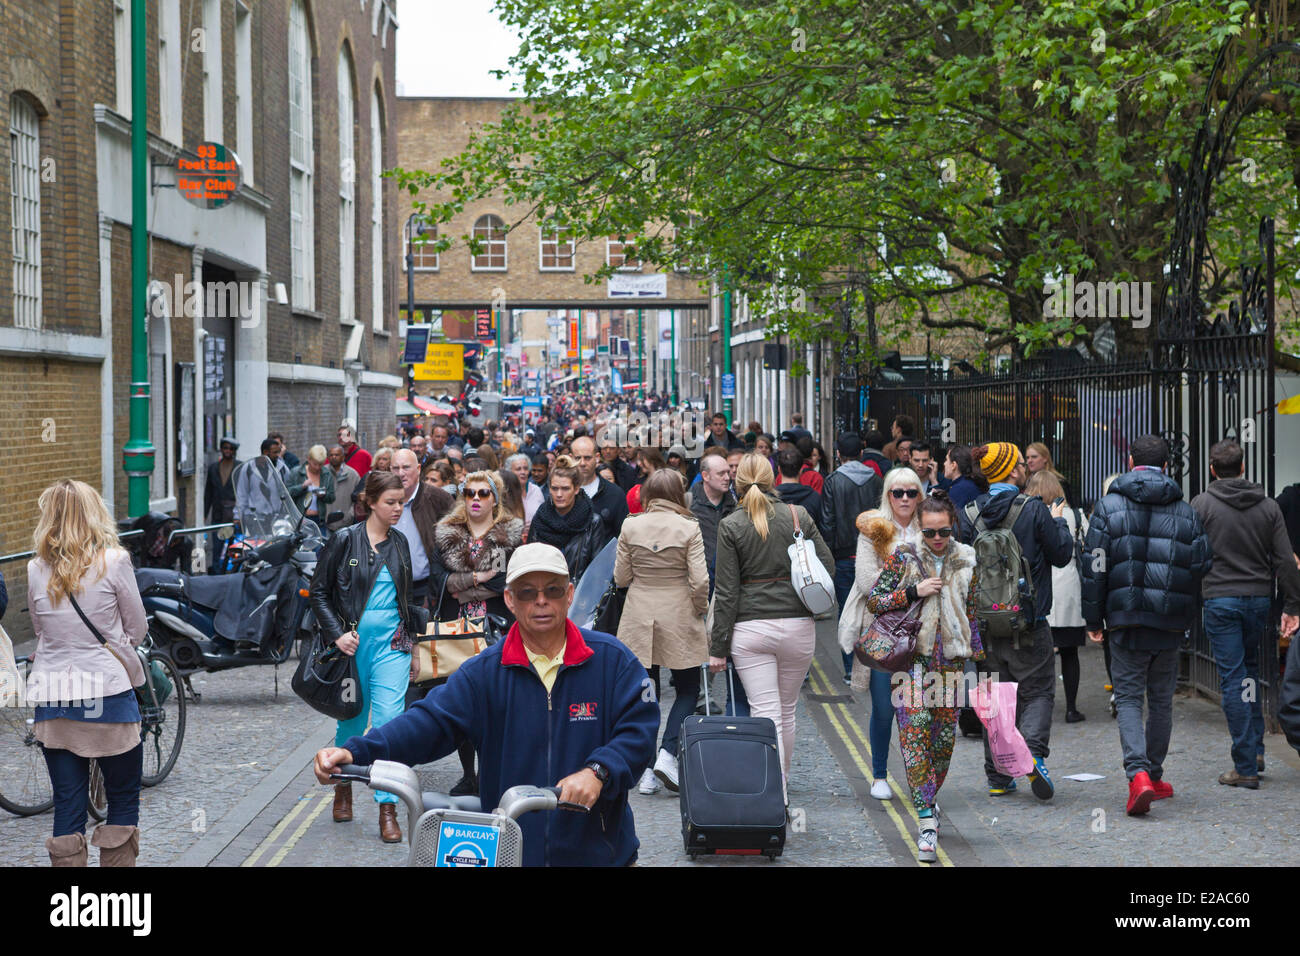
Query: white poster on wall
[[638, 286]]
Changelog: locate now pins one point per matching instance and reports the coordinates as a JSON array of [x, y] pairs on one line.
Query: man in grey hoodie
[[850, 490], [1251, 548]]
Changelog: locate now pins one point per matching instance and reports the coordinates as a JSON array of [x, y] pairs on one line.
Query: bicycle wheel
[[162, 726], [24, 779], [97, 805]]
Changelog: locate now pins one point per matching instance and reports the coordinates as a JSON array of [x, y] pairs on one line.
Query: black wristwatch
[[600, 770]]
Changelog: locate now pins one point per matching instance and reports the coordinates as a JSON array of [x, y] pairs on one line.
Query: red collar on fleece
[[575, 648]]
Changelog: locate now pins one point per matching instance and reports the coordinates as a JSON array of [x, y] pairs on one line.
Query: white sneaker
[[649, 783], [881, 791], [666, 770]]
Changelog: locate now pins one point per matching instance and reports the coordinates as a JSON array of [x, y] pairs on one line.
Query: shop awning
[[428, 406], [406, 408]]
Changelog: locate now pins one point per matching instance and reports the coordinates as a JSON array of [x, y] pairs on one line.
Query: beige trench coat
[[660, 560]]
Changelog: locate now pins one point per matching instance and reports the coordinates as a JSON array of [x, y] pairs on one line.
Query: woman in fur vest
[[879, 533], [941, 575], [467, 575]]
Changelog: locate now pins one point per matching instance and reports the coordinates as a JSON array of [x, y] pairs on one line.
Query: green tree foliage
[[946, 158]]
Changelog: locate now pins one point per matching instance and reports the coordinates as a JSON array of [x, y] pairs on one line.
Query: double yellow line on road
[[278, 857], [860, 751]]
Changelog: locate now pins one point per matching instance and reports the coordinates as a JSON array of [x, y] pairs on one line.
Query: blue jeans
[[881, 724], [844, 577], [1235, 626], [1139, 675], [70, 779], [687, 684]]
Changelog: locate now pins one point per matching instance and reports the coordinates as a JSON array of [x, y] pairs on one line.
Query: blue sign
[[467, 844], [615, 380], [729, 385]]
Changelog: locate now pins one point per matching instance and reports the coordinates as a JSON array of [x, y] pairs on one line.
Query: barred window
[[25, 192]]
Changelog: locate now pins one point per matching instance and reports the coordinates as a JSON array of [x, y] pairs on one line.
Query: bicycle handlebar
[[351, 771]]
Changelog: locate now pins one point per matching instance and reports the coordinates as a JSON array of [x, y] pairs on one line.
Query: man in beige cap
[[551, 700]]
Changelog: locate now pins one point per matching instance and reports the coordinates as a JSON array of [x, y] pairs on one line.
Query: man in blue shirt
[[551, 703]]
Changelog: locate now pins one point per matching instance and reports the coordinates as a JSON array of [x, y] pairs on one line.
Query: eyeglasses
[[483, 493], [941, 532], [905, 492], [528, 595]]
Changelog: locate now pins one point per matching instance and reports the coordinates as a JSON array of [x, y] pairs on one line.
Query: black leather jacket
[[347, 571]]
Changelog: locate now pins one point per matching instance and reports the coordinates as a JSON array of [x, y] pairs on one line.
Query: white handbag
[[808, 575], [10, 680]]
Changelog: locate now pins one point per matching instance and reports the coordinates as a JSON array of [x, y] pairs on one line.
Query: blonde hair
[[900, 478], [73, 533], [317, 454], [1046, 455], [1044, 484], [390, 441], [460, 513], [754, 483], [387, 453]]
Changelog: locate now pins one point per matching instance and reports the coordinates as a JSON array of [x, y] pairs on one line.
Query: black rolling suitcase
[[729, 775]]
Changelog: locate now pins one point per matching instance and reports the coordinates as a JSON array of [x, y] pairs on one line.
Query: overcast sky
[[446, 47]]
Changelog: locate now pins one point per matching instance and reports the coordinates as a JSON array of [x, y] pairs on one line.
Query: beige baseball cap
[[536, 557]]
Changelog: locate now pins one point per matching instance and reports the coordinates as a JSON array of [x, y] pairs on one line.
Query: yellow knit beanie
[[999, 460]]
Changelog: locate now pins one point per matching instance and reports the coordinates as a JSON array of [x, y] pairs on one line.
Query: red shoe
[[1140, 794], [1163, 790]]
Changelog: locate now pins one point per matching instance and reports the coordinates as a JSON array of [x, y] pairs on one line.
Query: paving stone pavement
[[234, 738]]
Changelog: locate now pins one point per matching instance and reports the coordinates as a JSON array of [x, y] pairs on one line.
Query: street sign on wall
[[417, 344], [729, 386], [638, 286], [211, 180], [443, 363]]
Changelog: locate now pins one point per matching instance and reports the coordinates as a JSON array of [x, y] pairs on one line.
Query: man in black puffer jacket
[[1145, 555]]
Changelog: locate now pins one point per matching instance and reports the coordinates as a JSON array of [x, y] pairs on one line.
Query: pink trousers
[[772, 658]]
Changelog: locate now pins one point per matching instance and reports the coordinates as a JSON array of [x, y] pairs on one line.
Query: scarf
[[549, 526], [944, 614]]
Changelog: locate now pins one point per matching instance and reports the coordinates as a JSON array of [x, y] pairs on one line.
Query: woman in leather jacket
[[361, 596]]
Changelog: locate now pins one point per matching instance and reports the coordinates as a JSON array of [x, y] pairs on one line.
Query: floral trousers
[[925, 699]]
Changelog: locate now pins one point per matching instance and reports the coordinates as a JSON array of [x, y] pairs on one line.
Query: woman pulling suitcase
[[941, 575]]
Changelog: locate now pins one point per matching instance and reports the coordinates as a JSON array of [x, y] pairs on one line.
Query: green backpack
[[1004, 588]]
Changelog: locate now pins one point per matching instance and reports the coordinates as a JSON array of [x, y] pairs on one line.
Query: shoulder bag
[[150, 689], [328, 680], [889, 644], [808, 575], [449, 644]]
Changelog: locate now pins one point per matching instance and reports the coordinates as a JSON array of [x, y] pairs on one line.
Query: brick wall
[[432, 128], [308, 414], [35, 394], [375, 417]]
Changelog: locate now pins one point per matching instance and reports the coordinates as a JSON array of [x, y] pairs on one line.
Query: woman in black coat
[[568, 521]]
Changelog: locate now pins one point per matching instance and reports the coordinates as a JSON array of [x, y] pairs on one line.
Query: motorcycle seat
[[211, 591], [441, 801], [149, 577]]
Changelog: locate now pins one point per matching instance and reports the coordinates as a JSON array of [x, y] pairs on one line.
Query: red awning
[[433, 408]]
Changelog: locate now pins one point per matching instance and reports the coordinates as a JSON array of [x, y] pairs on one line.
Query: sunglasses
[[528, 595], [905, 492], [484, 493], [941, 532]]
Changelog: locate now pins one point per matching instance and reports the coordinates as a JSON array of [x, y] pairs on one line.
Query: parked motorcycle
[[218, 622], [156, 546]]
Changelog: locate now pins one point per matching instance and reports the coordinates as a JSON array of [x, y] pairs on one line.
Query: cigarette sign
[[211, 180]]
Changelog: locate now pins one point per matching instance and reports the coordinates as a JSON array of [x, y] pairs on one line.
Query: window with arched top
[[347, 192], [25, 210], [302, 162], [376, 210], [490, 231]]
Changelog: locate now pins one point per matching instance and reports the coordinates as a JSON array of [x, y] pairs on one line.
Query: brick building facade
[[278, 308]]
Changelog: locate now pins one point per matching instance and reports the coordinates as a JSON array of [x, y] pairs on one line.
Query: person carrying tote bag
[[941, 580], [82, 680], [361, 595], [759, 619]]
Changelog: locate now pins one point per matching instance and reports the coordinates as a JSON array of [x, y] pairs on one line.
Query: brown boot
[[67, 850], [342, 802], [389, 831], [118, 845]]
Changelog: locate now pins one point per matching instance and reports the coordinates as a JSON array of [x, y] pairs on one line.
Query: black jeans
[[687, 685], [70, 778]]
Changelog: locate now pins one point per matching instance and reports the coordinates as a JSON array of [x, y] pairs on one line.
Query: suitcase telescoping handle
[[731, 689]]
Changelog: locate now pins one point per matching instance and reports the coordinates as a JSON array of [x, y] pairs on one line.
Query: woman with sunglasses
[[879, 533], [467, 575], [941, 575]]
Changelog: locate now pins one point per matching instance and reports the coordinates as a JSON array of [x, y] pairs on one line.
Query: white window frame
[[610, 242], [551, 237], [213, 90], [347, 192], [25, 211], [376, 212], [170, 96], [302, 162], [490, 245], [430, 229], [122, 54], [161, 404], [244, 89]]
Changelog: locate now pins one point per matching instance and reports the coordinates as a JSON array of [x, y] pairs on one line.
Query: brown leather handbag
[[889, 643]]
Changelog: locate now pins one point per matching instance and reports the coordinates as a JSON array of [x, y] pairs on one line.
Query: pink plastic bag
[[995, 705]]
